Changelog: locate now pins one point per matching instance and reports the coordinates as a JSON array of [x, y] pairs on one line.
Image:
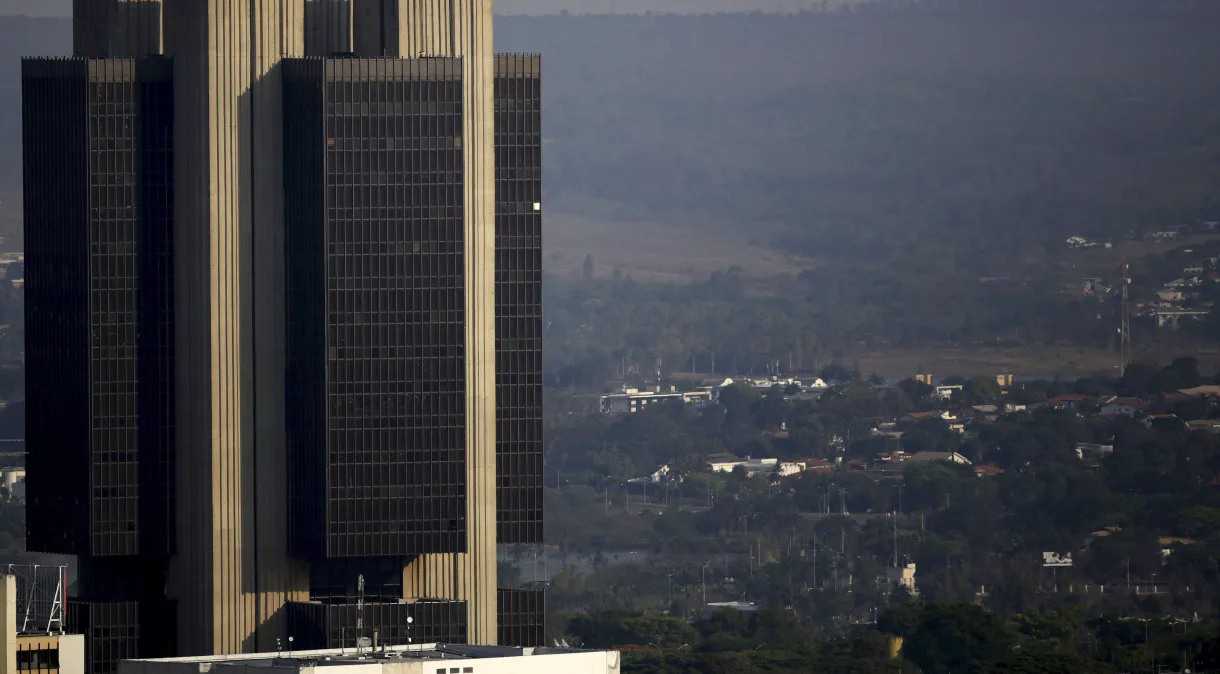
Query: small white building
[[945, 392], [1093, 450], [1122, 407], [903, 576], [724, 463], [412, 659], [13, 481], [655, 478], [633, 399]]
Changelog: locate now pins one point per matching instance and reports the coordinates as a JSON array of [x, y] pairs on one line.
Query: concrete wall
[[8, 624], [71, 654], [231, 575]]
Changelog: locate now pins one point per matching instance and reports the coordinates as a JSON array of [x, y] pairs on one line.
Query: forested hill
[[967, 137], [977, 135]]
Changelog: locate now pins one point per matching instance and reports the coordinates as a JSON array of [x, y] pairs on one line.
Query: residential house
[[945, 392], [818, 466], [1210, 390], [655, 478], [1171, 295], [1092, 451], [1152, 419], [1209, 425], [952, 457], [1121, 407], [914, 417], [724, 463], [903, 576], [1070, 402], [888, 429], [988, 471]]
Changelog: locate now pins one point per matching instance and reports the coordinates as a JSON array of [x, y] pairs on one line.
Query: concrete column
[[8, 623], [408, 29], [116, 28], [232, 573]]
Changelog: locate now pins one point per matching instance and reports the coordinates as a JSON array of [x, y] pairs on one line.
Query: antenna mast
[[1124, 329]]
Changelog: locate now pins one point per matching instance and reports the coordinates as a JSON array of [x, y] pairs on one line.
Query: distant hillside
[[975, 139]]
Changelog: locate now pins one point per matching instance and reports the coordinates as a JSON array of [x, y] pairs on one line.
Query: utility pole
[[1124, 328], [895, 540], [704, 583], [815, 561]]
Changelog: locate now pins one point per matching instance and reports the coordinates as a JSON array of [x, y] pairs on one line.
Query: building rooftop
[[369, 656]]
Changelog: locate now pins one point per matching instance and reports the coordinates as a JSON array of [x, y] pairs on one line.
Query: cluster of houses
[[1143, 410], [891, 464], [1082, 242], [633, 399]]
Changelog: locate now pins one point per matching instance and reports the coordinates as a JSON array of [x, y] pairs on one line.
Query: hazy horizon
[[63, 8]]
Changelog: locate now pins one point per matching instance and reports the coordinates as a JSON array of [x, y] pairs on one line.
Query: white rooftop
[[411, 659]]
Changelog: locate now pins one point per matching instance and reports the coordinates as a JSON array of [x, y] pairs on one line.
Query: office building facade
[[297, 398]]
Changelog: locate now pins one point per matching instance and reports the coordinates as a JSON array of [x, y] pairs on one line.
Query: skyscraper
[[283, 322]]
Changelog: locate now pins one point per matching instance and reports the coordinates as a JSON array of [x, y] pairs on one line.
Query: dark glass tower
[[518, 299], [373, 194], [99, 326], [264, 287], [375, 380], [519, 331]]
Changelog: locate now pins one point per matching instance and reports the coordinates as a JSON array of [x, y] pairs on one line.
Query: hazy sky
[[63, 8]]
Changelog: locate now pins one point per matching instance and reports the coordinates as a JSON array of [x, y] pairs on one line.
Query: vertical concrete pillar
[[8, 623], [463, 28], [232, 573]]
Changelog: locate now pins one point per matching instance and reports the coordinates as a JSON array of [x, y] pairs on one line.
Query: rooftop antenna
[[1124, 329]]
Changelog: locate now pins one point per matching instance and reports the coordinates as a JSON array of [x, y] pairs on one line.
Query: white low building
[[413, 659], [633, 399]]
